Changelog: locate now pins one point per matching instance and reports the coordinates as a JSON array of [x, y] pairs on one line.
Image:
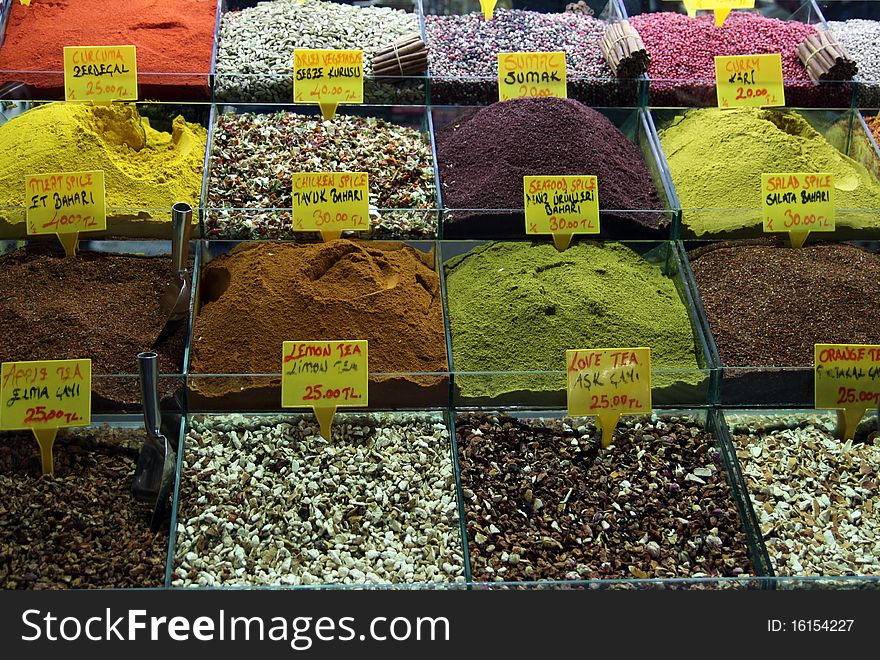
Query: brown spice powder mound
[[96, 305], [80, 528], [262, 294], [767, 305]]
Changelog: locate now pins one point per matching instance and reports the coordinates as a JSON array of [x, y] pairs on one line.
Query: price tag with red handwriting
[[324, 375], [65, 203], [608, 383], [331, 202], [749, 81], [561, 206], [44, 396], [847, 379], [531, 74], [100, 73], [328, 78], [798, 203]]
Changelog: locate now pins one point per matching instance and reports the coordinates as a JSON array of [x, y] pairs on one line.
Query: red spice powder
[[172, 36]]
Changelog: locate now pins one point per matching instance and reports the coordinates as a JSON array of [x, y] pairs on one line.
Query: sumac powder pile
[[484, 154], [544, 502], [260, 295], [767, 305], [81, 527], [105, 307]]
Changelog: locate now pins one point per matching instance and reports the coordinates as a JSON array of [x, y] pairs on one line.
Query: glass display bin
[[256, 40], [83, 528], [106, 306], [318, 291], [508, 339], [648, 186], [814, 494], [265, 501], [255, 150], [152, 155], [174, 41], [679, 77], [545, 506], [763, 343], [719, 188]]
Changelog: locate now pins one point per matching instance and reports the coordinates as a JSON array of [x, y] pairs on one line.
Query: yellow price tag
[[100, 73], [562, 206], [331, 202], [531, 74], [488, 7], [608, 383], [749, 81], [324, 375], [847, 379], [721, 8], [798, 203], [44, 396], [65, 203], [328, 78]]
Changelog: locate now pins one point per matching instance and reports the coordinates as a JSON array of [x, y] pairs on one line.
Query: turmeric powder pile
[[145, 170]]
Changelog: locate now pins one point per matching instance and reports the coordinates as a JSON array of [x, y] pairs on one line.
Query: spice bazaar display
[[465, 461]]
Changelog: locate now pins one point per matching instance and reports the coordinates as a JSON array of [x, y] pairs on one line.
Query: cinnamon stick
[[624, 50], [824, 58], [407, 56]]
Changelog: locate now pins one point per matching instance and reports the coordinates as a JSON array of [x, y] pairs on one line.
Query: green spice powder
[[520, 306], [717, 157]]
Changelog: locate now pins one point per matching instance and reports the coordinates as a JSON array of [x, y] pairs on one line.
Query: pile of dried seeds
[[817, 498], [268, 501], [543, 502], [80, 528]]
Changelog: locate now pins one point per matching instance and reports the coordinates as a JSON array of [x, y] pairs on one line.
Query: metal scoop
[[174, 301], [157, 461]]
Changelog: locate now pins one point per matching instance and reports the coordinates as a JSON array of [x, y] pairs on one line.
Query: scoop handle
[[148, 366], [181, 227]]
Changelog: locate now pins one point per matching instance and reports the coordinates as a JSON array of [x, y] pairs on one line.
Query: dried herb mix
[[254, 156], [80, 528], [543, 502], [484, 154], [261, 294], [95, 305], [519, 306], [256, 44]]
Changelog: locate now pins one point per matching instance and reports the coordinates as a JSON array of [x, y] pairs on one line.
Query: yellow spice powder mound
[[143, 168]]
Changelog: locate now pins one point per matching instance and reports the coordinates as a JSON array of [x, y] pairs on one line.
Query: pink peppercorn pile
[[682, 51]]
